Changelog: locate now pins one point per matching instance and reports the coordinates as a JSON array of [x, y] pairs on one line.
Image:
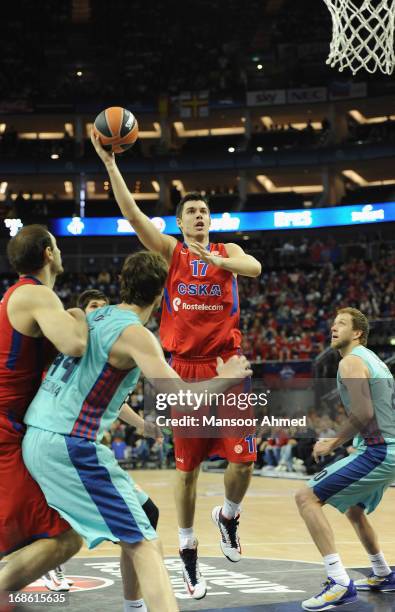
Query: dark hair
[[143, 277], [359, 323], [192, 196], [90, 294], [25, 251]]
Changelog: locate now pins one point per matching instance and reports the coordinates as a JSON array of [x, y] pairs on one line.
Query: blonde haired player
[[354, 485], [200, 322]]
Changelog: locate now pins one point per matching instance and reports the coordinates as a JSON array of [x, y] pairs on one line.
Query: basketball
[[117, 129]]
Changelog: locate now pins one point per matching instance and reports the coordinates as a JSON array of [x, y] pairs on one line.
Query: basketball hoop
[[363, 35]]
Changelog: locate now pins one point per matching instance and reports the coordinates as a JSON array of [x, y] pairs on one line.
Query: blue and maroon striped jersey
[[21, 369], [82, 396]]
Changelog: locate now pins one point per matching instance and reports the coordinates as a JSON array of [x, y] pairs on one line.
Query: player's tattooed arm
[[147, 233], [237, 261]]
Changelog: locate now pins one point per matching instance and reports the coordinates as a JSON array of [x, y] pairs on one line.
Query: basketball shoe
[[194, 581], [376, 583], [230, 542], [332, 595], [55, 580]]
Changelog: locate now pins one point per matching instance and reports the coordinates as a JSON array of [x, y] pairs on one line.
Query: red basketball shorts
[[191, 451], [24, 513]]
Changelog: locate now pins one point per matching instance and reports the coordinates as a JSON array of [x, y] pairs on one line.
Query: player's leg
[[338, 587], [237, 479], [132, 594], [34, 560], [381, 578], [357, 479], [146, 560], [185, 498], [241, 455], [131, 587]]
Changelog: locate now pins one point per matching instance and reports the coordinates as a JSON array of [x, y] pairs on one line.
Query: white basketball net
[[363, 36]]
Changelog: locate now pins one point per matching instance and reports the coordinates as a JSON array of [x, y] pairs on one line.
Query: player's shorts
[[189, 452], [142, 496], [24, 513], [83, 481], [357, 480]]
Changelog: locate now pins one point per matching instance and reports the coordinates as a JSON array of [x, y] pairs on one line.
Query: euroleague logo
[[80, 583]]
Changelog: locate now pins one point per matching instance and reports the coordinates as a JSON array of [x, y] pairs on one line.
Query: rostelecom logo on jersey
[[179, 304], [176, 303]]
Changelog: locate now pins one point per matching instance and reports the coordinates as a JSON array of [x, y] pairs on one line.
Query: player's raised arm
[[67, 330], [151, 238], [237, 261], [141, 345]]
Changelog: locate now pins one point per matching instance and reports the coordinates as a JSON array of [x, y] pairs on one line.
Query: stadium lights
[[156, 186], [2, 127], [259, 149], [68, 187], [3, 187], [268, 122], [259, 67], [392, 341], [79, 73], [362, 182], [225, 131], [69, 129], [54, 156], [362, 120], [270, 187], [41, 135], [178, 184], [231, 149]]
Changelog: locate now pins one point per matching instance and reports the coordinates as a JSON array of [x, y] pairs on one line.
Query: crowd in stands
[[287, 311], [158, 48]]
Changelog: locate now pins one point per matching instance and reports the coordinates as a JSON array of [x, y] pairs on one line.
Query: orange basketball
[[117, 129]]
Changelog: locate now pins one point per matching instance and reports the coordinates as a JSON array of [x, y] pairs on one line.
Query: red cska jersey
[[21, 369], [200, 310]]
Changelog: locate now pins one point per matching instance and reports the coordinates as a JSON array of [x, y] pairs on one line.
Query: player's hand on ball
[[323, 447], [106, 156], [236, 367]]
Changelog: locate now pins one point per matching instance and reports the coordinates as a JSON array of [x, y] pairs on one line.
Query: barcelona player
[[78, 401], [354, 485], [200, 321], [30, 312]]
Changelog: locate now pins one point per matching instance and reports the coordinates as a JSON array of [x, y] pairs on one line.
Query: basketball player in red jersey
[[200, 321], [30, 313]]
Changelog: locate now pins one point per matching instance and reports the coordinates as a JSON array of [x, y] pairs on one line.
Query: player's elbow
[[76, 348], [256, 268]]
